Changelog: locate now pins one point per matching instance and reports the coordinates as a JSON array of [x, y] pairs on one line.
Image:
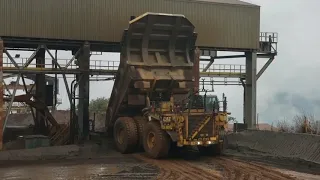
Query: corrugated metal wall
[[217, 25]]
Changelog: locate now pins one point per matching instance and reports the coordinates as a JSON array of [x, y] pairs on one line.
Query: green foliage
[[99, 104], [231, 118]]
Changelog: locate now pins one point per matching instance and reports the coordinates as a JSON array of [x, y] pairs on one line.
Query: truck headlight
[[166, 119]]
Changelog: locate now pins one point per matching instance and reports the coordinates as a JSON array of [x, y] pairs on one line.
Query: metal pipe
[[72, 114], [55, 82]]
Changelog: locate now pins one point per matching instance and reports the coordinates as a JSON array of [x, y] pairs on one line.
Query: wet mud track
[[215, 168], [107, 167], [137, 166]]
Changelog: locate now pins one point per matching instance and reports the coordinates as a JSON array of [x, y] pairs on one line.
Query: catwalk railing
[[106, 67]]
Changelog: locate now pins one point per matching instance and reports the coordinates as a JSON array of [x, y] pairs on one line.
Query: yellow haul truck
[[154, 104]]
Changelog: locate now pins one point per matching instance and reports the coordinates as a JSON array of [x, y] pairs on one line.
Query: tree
[[98, 105]]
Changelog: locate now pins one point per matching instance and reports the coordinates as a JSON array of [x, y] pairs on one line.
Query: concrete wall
[[297, 146]]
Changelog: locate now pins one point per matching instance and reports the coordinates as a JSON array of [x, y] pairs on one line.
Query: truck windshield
[[210, 102], [198, 102]]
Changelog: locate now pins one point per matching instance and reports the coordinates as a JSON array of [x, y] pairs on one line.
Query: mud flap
[[173, 135]]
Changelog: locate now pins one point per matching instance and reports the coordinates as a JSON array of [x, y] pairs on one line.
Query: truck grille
[[194, 122]]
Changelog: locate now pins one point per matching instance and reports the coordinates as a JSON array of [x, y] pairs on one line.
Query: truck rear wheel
[[141, 123], [125, 134], [156, 142]]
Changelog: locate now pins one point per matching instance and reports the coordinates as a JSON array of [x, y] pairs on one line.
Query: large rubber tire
[[141, 123], [175, 151], [159, 148], [125, 135]]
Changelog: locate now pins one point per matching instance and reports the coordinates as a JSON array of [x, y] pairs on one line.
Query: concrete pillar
[[251, 89], [40, 91], [2, 117], [83, 111]]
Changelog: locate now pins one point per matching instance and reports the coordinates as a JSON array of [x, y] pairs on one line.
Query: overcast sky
[[288, 85]]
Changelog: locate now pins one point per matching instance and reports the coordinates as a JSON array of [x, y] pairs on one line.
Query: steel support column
[[83, 111], [250, 90], [1, 95], [244, 99], [196, 70], [40, 90]]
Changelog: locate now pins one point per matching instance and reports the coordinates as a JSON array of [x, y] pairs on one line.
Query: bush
[[302, 123]]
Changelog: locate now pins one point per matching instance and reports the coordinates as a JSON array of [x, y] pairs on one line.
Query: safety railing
[[225, 69], [94, 64], [268, 37], [268, 42]]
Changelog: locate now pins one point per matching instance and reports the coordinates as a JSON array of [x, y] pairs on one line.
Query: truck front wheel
[[156, 142], [125, 134]]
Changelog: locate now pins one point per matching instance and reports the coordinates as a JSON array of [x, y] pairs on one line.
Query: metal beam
[[223, 74], [244, 99], [10, 105], [251, 89], [40, 91], [11, 58], [58, 71], [83, 116], [105, 72], [75, 56], [1, 95], [265, 66], [31, 58], [224, 57], [209, 64], [63, 72], [27, 92], [7, 88]]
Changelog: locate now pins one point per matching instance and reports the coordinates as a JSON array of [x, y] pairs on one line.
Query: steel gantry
[[246, 75], [42, 94], [82, 67]]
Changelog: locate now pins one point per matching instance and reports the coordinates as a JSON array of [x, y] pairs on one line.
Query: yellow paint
[[195, 142], [203, 123]]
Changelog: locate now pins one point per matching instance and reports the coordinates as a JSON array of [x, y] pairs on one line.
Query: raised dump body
[[156, 60], [153, 103]]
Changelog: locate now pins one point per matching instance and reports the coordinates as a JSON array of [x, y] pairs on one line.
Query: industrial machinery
[[155, 102]]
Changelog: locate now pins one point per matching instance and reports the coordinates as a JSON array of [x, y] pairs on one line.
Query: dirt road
[[137, 166], [214, 168]]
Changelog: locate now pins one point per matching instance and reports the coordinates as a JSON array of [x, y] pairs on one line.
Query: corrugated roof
[[234, 2]]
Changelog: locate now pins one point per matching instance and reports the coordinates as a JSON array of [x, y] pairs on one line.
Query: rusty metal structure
[[40, 95]]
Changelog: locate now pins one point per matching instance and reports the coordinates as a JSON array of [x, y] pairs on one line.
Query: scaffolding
[[41, 95]]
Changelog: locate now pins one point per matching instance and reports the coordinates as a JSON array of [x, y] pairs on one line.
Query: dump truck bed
[[156, 56]]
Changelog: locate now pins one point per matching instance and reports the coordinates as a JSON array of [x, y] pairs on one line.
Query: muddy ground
[[105, 163], [137, 166]]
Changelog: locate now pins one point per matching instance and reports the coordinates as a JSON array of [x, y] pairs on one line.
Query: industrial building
[[83, 26]]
